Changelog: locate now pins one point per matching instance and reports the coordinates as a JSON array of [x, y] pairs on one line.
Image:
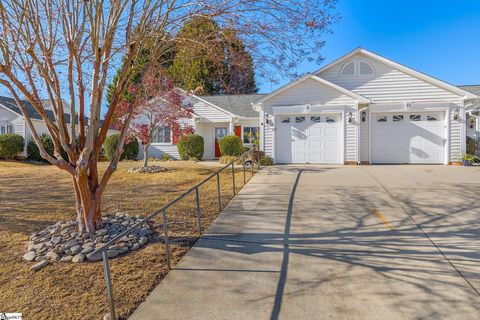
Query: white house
[[364, 108], [213, 118]]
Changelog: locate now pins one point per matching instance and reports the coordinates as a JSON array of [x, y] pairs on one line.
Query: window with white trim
[[330, 119], [431, 118], [348, 69], [315, 119], [415, 117], [285, 120], [164, 135], [299, 119], [381, 118], [357, 68], [397, 117], [250, 134], [6, 128]]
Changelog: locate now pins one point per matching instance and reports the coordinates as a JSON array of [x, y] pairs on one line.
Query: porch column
[[231, 127]]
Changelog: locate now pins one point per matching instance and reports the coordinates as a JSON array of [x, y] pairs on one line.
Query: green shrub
[[190, 147], [231, 146], [32, 148], [130, 149], [266, 161], [10, 145], [166, 157], [471, 146]]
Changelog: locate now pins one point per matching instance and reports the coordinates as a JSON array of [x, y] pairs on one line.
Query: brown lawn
[[35, 196]]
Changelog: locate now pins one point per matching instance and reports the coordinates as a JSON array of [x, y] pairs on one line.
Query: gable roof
[[240, 105], [11, 105], [473, 88], [414, 73], [329, 84]]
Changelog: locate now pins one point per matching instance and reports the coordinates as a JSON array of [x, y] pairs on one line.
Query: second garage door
[[308, 139], [415, 137]]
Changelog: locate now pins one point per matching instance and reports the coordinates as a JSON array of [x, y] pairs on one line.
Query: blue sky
[[440, 38]]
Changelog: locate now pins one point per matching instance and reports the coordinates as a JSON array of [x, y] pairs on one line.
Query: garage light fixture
[[456, 113], [364, 116], [349, 117]]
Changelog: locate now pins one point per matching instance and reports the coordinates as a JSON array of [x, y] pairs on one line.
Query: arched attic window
[[348, 69], [356, 68], [365, 68]]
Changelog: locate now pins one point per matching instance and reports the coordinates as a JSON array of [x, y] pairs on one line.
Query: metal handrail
[[103, 250]]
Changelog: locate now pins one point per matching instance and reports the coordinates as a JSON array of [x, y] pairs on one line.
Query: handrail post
[[199, 220], [165, 235], [108, 281], [233, 177], [244, 177], [251, 160], [219, 194]]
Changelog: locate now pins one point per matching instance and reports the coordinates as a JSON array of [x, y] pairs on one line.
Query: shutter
[[175, 134], [238, 131]]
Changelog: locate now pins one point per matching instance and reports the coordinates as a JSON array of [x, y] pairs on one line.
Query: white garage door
[[308, 139], [414, 137]]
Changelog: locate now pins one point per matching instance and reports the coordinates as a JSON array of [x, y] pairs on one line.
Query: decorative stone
[[75, 249], [145, 232], [149, 169], [66, 259], [112, 253], [53, 256], [94, 257], [39, 265], [71, 243], [101, 232], [142, 241], [56, 240], [29, 256], [87, 250], [78, 258], [135, 246]]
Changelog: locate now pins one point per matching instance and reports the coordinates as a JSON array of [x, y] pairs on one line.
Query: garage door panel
[[312, 139], [415, 137]]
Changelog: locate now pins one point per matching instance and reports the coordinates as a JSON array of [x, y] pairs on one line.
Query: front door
[[220, 132]]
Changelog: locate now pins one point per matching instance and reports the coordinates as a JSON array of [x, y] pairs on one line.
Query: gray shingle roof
[[473, 88], [12, 105], [240, 105]]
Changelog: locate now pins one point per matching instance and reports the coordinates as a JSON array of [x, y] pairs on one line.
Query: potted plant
[[467, 159]]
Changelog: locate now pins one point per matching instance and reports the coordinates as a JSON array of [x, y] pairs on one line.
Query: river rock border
[[62, 242], [149, 169]]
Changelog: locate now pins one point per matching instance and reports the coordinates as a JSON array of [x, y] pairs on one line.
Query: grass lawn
[[35, 196]]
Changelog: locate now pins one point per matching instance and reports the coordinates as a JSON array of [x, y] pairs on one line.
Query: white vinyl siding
[[210, 113], [350, 135], [364, 137], [387, 84], [310, 92], [456, 134]]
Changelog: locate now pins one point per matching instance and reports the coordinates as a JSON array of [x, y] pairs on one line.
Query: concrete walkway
[[331, 242]]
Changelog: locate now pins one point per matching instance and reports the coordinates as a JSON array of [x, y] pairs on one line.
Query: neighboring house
[[12, 120], [364, 108], [213, 118]]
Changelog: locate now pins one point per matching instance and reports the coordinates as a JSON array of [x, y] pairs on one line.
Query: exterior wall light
[[364, 116], [456, 114], [349, 117]]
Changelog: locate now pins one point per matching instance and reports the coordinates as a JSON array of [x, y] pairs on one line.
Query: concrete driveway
[[335, 242]]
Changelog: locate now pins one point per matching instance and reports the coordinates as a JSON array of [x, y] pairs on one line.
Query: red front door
[[219, 134]]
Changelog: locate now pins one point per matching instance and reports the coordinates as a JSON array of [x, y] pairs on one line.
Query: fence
[[162, 212]]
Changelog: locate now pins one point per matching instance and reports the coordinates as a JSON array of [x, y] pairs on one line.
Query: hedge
[[231, 146], [32, 148], [130, 149], [10, 145], [190, 147]]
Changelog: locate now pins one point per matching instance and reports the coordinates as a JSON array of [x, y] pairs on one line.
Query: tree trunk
[[145, 156], [88, 204]]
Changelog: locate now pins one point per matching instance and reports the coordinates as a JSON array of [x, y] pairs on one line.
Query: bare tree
[[67, 50]]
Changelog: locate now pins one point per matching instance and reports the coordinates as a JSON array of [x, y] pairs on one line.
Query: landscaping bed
[[34, 197]]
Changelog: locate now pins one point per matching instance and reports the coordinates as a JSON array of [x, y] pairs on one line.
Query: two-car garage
[[416, 137]]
